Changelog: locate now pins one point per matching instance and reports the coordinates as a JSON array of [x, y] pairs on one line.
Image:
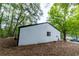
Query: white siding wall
[[37, 34]]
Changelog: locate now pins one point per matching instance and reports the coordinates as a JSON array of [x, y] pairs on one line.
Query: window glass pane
[[48, 33]]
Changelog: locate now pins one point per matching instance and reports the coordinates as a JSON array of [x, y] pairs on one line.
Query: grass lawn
[[59, 48]]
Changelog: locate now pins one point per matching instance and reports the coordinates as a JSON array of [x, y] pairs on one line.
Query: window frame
[[48, 33]]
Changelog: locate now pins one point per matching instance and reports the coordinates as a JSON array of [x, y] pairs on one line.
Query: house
[[37, 33]]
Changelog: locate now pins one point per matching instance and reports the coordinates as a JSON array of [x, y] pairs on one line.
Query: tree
[[73, 23], [58, 16], [13, 15], [73, 28]]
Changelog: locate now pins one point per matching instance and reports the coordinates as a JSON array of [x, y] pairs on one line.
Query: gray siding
[[38, 34]]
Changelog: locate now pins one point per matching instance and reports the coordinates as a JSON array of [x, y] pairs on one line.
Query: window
[[48, 33], [57, 36]]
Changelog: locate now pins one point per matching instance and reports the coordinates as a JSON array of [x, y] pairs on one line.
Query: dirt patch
[[58, 48], [8, 42]]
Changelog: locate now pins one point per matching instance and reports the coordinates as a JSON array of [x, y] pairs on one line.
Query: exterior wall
[[38, 34]]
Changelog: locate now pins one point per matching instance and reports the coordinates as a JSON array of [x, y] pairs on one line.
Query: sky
[[45, 8]]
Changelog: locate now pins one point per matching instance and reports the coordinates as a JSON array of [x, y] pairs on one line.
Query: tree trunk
[[1, 19], [10, 28], [0, 24], [17, 23], [76, 37], [64, 34]]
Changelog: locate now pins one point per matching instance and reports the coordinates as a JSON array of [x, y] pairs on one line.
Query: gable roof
[[37, 24], [32, 25]]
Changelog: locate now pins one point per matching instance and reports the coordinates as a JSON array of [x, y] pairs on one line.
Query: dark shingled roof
[[37, 24]]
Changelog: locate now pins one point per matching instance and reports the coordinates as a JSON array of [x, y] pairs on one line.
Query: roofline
[[36, 24], [54, 27], [32, 25]]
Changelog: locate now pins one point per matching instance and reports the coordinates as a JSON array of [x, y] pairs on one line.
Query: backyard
[[59, 48]]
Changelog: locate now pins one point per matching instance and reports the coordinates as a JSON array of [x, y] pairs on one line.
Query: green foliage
[[65, 17], [13, 15]]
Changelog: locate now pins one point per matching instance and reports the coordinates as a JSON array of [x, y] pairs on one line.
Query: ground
[[59, 48]]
